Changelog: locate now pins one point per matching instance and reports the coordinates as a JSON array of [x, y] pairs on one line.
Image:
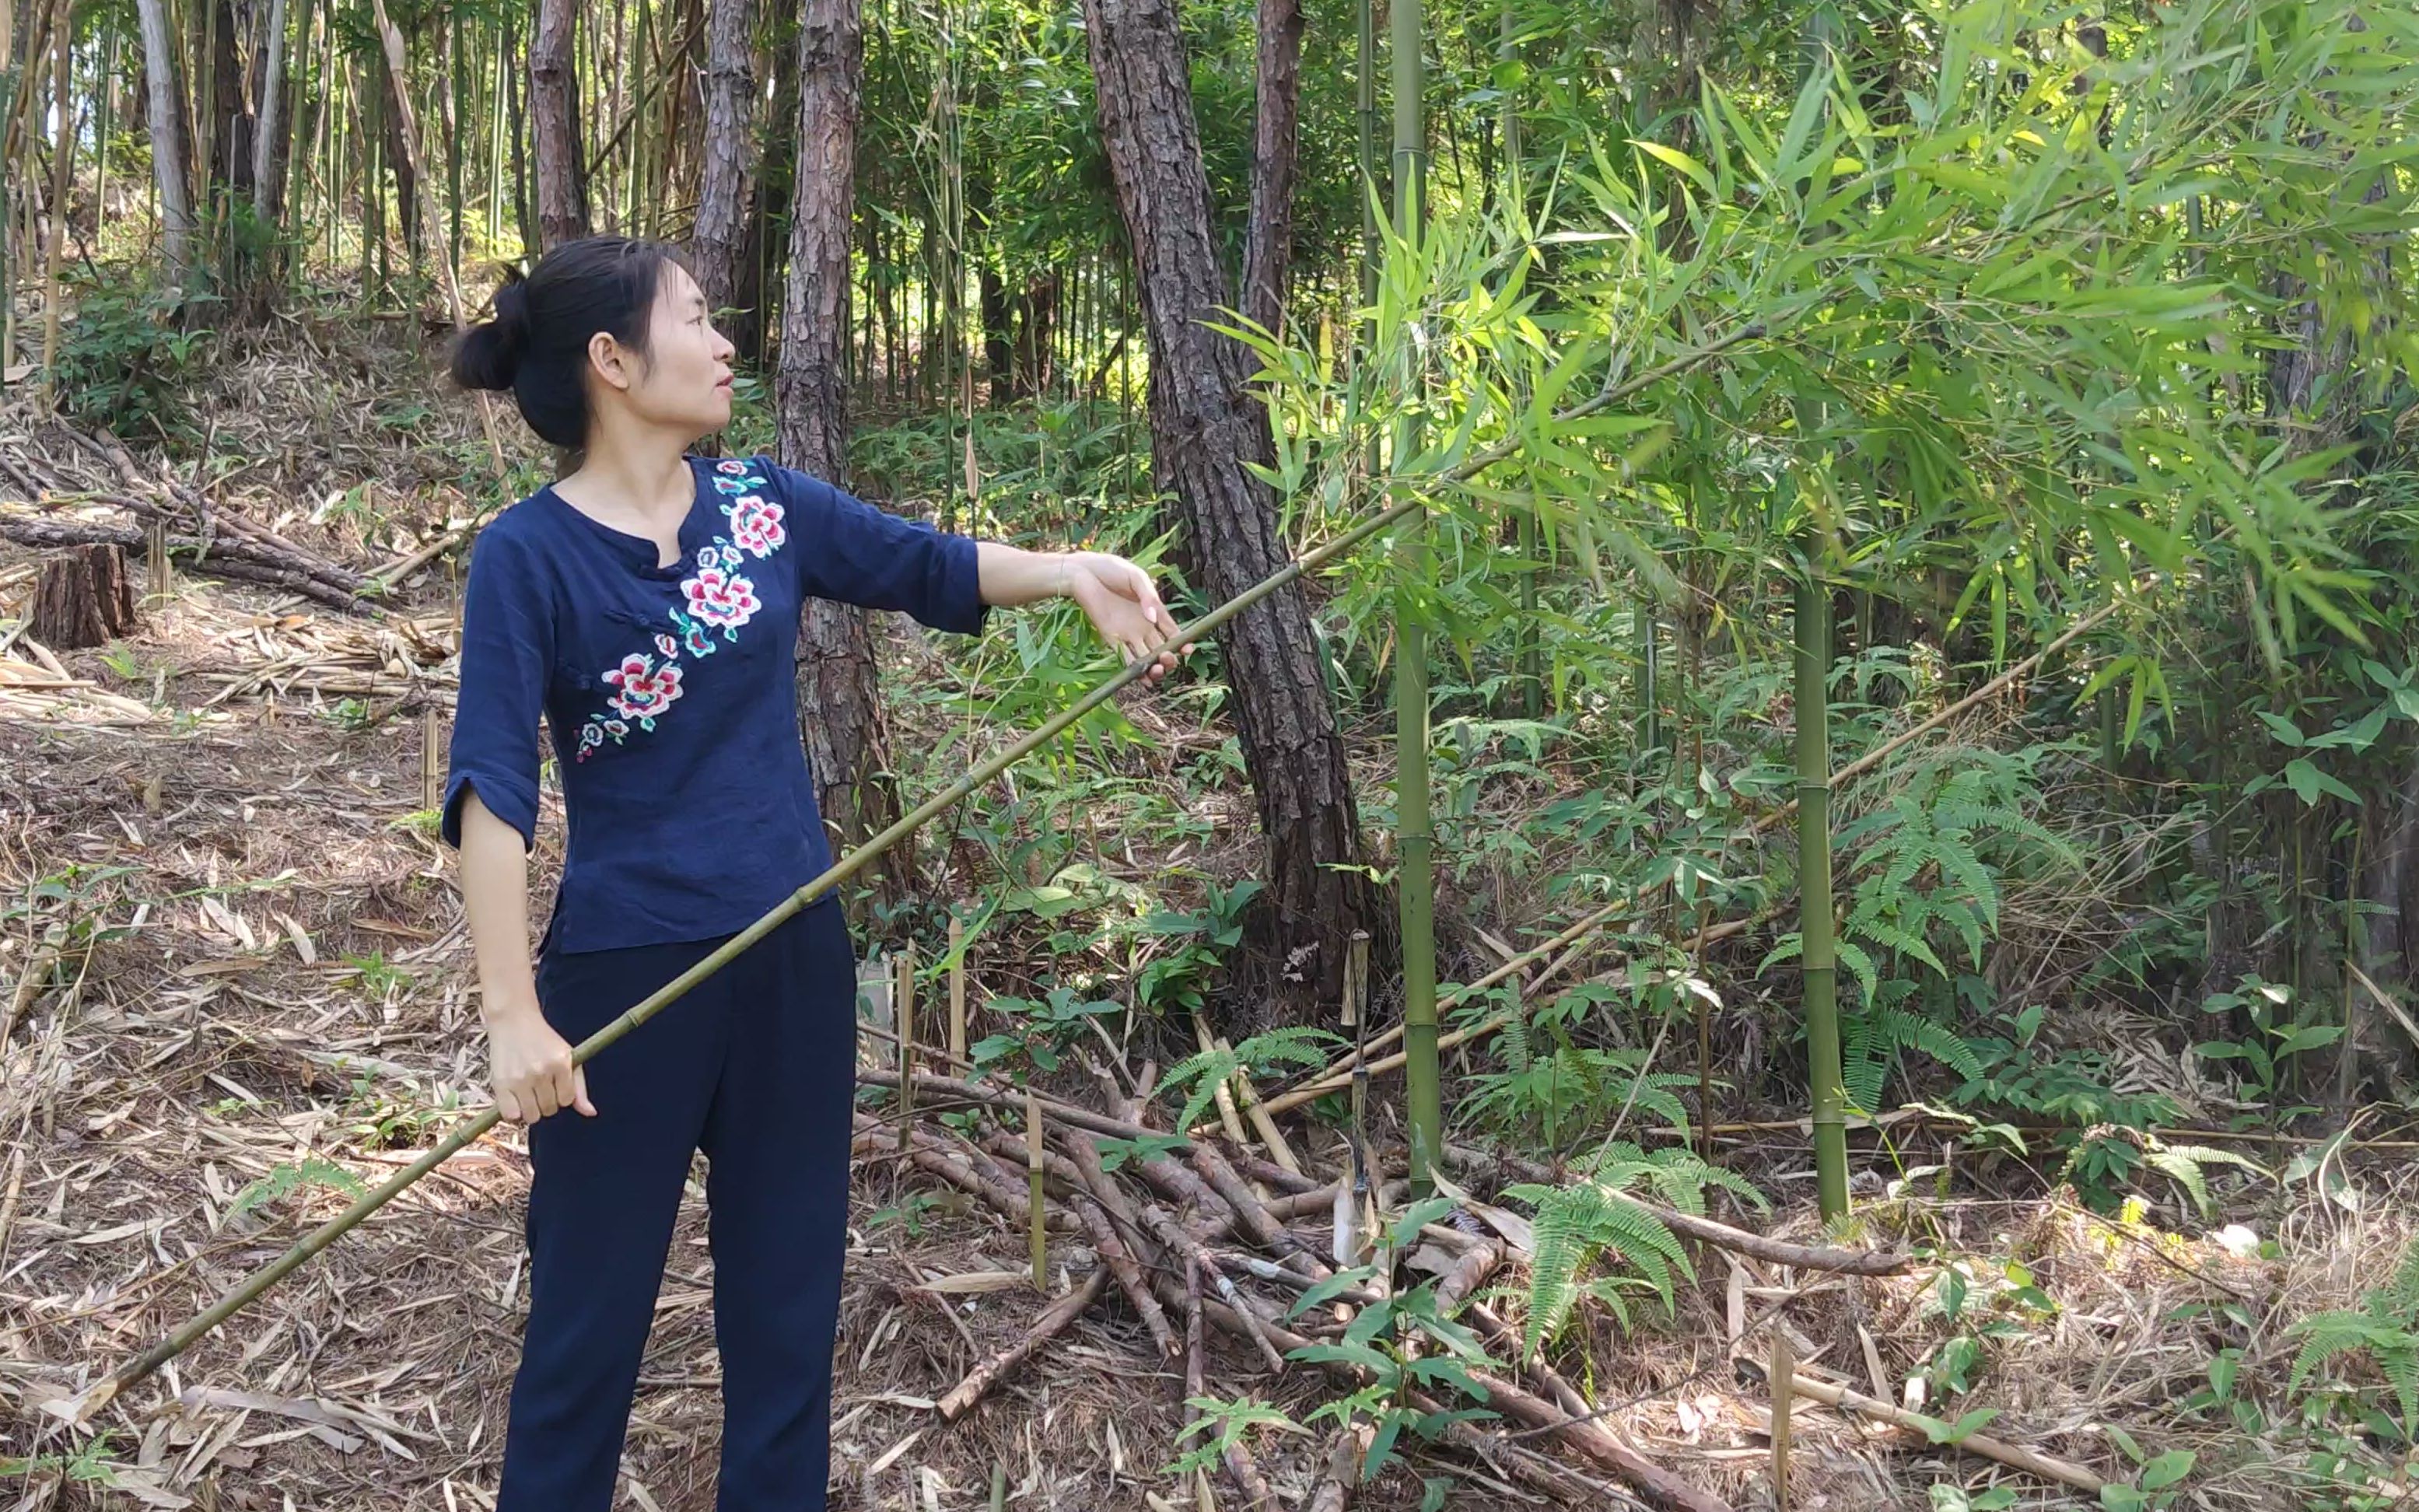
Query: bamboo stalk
[[1416, 870], [1784, 1369], [62, 168], [2065, 1472], [1820, 962], [958, 993], [903, 1005], [82, 1407], [1036, 1236]]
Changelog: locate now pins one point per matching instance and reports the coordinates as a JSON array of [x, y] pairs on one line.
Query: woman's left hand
[[1123, 606]]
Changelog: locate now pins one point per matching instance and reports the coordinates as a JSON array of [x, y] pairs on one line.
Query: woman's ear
[[611, 359]]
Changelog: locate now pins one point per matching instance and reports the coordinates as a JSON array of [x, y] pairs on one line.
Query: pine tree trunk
[[838, 709], [166, 120], [1268, 243], [554, 120], [84, 598], [730, 151], [1206, 431]]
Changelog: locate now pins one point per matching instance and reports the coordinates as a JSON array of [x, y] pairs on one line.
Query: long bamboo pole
[[1820, 962], [1415, 873], [82, 1407]]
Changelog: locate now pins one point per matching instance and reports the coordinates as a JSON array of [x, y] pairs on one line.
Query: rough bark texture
[[1267, 244], [84, 598], [554, 122], [1206, 428], [837, 705], [166, 124], [730, 152], [229, 132]]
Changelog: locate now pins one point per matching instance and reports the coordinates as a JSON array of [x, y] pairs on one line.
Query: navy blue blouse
[[668, 690]]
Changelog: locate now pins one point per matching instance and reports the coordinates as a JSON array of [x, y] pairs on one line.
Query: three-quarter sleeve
[[848, 550], [507, 655]]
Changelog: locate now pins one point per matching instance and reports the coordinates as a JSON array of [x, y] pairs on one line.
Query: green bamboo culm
[[1530, 658], [1415, 878], [81, 1408], [1650, 692], [1821, 961]]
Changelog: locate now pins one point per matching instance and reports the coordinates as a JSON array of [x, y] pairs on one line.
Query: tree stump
[[84, 598]]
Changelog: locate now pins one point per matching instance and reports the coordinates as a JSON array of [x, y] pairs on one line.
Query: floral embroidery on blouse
[[716, 596]]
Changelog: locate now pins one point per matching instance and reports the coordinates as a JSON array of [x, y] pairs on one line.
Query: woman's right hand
[[530, 1068]]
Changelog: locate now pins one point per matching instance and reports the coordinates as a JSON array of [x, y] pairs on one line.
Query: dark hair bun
[[489, 356]]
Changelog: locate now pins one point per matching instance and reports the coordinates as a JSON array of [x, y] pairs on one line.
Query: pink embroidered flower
[[756, 525], [645, 690], [666, 644], [720, 598], [735, 469]]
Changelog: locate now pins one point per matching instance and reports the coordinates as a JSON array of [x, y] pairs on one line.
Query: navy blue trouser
[[755, 1066]]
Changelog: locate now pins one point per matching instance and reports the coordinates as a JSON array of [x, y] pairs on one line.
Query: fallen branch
[[2065, 1472], [982, 1378]]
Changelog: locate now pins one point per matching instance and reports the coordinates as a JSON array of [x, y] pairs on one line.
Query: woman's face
[[684, 381]]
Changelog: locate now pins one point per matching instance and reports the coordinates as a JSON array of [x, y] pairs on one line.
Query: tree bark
[[554, 122], [165, 119], [762, 252], [230, 133], [267, 159], [1268, 241], [838, 711], [1206, 430], [730, 152], [998, 332], [84, 598], [1030, 365]]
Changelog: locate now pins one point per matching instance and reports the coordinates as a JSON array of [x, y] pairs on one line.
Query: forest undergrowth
[[244, 992]]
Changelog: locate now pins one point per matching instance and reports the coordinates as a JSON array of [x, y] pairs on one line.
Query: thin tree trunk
[[62, 180], [1267, 244], [837, 705], [1206, 431], [273, 105], [730, 149], [231, 130], [763, 252], [554, 119], [164, 119]]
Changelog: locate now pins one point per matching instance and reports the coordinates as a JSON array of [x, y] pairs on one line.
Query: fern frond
[[2324, 1335]]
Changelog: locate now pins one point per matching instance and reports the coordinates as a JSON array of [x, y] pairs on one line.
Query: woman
[[647, 604]]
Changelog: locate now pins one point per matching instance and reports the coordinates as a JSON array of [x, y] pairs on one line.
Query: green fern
[[1206, 1071], [1578, 1225], [2183, 1165], [1575, 1225], [284, 1181], [2385, 1329], [1874, 1040]]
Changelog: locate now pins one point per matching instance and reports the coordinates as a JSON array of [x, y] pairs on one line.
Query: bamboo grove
[[1972, 441]]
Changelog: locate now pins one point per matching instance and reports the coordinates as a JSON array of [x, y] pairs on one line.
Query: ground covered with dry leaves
[[238, 989]]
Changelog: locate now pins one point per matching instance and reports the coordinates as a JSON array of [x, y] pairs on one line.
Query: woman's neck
[[638, 484]]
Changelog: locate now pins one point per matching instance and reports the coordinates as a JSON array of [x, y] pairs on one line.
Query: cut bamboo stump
[[84, 599]]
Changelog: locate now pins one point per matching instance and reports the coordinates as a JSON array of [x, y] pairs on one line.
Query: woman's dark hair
[[538, 344]]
